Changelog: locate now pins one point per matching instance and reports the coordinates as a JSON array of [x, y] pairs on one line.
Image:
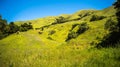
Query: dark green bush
[[73, 26], [111, 25], [25, 27], [82, 28], [51, 32], [13, 28], [59, 20], [72, 35], [96, 18], [113, 37], [49, 38], [22, 29], [84, 15]]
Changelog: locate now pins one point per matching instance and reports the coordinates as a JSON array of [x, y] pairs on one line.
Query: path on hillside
[[34, 37]]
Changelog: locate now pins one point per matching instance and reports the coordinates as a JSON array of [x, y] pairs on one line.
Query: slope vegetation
[[62, 41]]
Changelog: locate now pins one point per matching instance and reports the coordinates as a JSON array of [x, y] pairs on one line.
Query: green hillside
[[57, 28], [62, 41]]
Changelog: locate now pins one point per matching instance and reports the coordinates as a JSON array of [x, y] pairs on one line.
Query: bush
[[13, 28], [73, 34], [22, 29], [59, 20], [73, 26], [25, 27], [51, 32], [96, 17], [40, 32], [82, 28], [49, 38], [84, 15], [111, 25], [113, 37]]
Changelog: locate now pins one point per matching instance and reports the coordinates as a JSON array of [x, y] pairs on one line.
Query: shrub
[[111, 25], [73, 26], [113, 37], [51, 32], [49, 38], [22, 29], [73, 34], [40, 32], [82, 28], [25, 27], [59, 20], [96, 17], [13, 28], [84, 15]]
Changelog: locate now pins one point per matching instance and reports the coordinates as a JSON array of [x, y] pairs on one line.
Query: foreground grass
[[29, 53]]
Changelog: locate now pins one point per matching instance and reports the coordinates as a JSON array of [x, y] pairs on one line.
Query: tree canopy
[[7, 29]]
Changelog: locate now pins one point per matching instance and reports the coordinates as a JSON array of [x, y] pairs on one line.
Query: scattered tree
[[13, 28], [25, 27], [7, 29], [114, 36]]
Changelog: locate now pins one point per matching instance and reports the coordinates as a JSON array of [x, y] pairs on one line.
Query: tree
[[114, 36], [3, 24], [117, 7], [59, 20], [13, 28], [96, 18], [7, 29], [0, 17], [26, 26], [30, 25]]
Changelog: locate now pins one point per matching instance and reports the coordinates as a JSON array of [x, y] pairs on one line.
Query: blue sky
[[19, 10]]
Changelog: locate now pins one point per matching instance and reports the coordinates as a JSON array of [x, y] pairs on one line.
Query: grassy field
[[49, 48], [26, 50]]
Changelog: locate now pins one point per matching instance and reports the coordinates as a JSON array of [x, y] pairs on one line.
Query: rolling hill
[[58, 28], [62, 41]]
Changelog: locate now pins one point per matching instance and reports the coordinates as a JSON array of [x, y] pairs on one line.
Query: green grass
[[15, 53], [31, 49]]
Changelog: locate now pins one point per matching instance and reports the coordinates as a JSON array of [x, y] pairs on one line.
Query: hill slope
[[60, 28], [62, 41], [70, 29]]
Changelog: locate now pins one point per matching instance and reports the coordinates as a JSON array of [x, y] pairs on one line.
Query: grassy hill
[[62, 41], [53, 30]]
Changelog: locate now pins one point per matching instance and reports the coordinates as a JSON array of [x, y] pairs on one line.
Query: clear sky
[[19, 10]]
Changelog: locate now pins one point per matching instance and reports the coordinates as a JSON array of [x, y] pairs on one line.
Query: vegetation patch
[[7, 29], [51, 32], [76, 30], [96, 18]]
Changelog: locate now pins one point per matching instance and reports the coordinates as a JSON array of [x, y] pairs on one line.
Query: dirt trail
[[34, 37]]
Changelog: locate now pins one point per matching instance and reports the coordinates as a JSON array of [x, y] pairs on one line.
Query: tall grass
[[64, 56], [30, 49]]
